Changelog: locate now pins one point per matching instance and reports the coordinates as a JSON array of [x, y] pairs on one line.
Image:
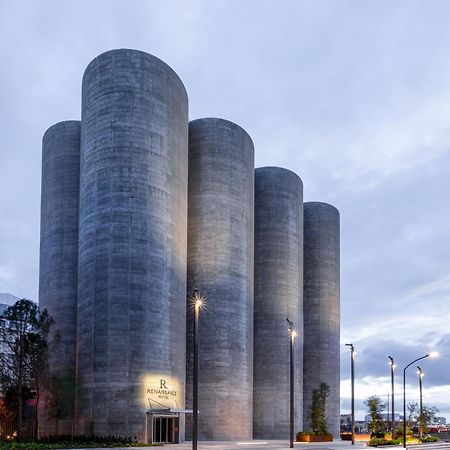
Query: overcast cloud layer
[[352, 95]]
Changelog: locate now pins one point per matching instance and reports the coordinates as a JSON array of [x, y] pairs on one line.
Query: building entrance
[[165, 430]]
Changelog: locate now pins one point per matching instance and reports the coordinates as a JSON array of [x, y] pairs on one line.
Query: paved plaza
[[266, 445], [281, 445]]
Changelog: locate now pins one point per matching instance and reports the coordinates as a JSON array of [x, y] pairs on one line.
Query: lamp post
[[292, 335], [197, 300], [420, 373], [352, 355], [432, 354], [392, 364]]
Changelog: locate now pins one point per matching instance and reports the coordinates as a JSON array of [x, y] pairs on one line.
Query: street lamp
[[432, 355], [352, 355], [198, 302], [392, 364], [292, 335], [420, 373]]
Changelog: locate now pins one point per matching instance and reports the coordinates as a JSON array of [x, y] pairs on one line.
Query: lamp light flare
[[434, 354], [198, 301]]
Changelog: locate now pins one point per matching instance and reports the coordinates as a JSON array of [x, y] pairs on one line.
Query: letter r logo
[[162, 384]]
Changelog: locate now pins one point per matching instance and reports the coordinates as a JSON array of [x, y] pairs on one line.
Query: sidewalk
[[281, 445], [266, 445]]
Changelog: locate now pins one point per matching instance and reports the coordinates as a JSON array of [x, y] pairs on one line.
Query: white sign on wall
[[161, 391]]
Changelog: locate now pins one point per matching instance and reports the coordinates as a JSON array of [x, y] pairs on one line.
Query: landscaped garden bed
[[306, 436], [80, 442]]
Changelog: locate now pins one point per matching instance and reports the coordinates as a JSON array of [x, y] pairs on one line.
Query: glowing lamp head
[[198, 301], [293, 334], [434, 354]]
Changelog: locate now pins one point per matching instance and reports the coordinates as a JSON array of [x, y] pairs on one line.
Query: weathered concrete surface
[[132, 252], [321, 308], [58, 265], [278, 295], [220, 265]]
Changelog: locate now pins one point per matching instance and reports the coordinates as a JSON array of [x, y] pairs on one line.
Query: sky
[[353, 96]]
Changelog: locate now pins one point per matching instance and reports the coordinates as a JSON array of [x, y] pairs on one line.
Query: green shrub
[[377, 435], [399, 431], [304, 433], [429, 439], [312, 433], [375, 442], [80, 442]]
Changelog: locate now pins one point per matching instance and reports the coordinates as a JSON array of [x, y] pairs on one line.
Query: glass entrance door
[[163, 430]]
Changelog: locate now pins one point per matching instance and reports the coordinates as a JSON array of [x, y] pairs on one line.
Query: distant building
[[7, 300], [440, 420], [386, 417], [346, 424]]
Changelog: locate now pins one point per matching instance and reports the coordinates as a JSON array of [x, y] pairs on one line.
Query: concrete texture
[[278, 295], [58, 265], [132, 252], [220, 265], [321, 308]]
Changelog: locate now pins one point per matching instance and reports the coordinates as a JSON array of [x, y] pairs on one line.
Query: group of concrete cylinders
[[139, 207]]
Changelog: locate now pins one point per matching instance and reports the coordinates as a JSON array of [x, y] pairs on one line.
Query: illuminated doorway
[[164, 429]]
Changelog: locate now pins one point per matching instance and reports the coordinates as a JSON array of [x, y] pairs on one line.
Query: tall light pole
[[292, 335], [197, 300], [420, 373], [432, 354], [352, 354], [392, 364]]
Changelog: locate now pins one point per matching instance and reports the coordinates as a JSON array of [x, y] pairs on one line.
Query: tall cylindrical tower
[[278, 295], [220, 265], [132, 252], [321, 309], [58, 266]]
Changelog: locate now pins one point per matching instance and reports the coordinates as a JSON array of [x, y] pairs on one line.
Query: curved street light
[[432, 355]]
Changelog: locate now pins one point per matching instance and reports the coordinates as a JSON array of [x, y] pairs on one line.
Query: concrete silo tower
[[321, 308], [220, 265], [132, 251], [58, 265], [278, 295]]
